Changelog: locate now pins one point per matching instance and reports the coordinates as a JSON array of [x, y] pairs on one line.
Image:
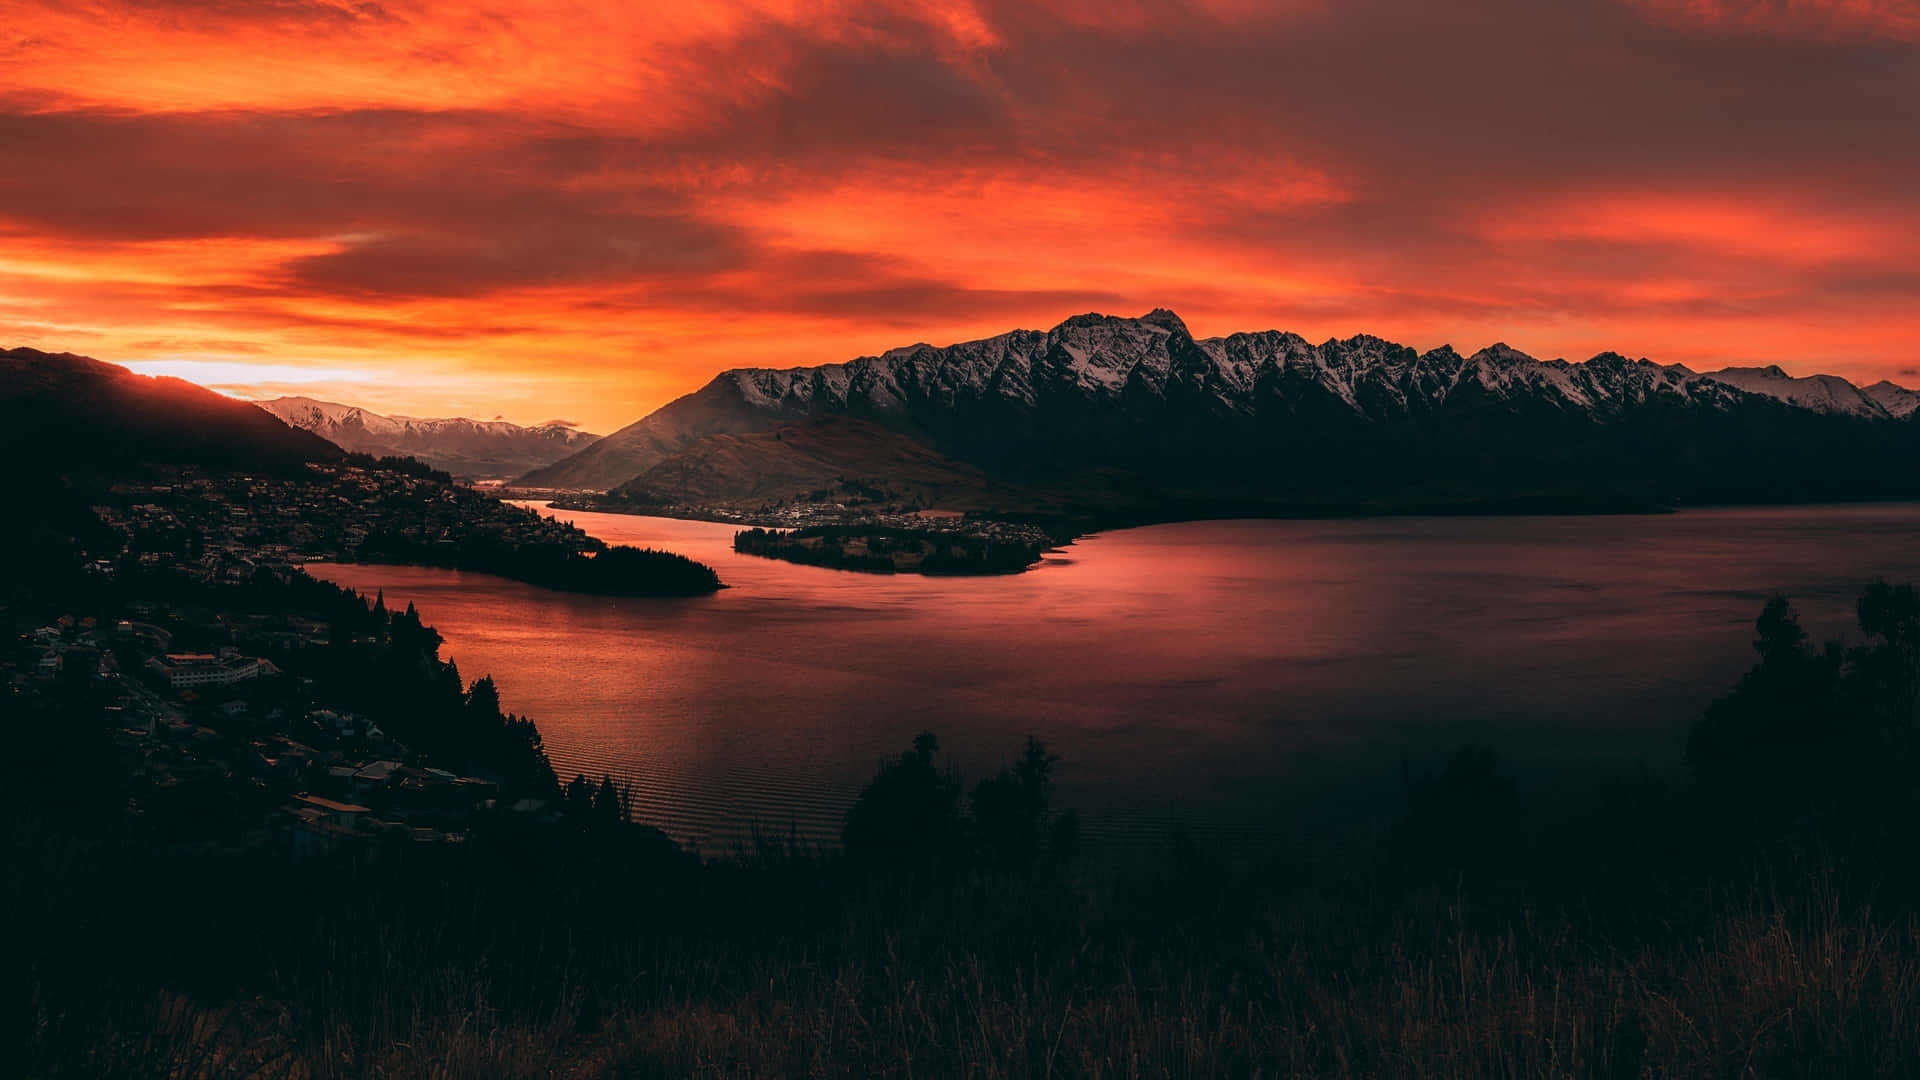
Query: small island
[[602, 571], [886, 550]]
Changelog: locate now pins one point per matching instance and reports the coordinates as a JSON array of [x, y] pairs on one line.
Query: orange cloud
[[1897, 19], [539, 209]]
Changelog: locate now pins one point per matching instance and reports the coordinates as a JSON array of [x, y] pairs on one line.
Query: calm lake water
[[1238, 678]]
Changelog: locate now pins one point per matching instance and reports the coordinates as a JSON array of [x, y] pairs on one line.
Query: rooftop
[[333, 805]]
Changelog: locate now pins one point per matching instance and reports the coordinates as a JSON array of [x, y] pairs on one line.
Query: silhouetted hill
[[830, 457], [713, 410], [482, 449], [1136, 413], [74, 414]]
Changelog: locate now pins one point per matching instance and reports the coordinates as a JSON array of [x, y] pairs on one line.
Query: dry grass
[[994, 981]]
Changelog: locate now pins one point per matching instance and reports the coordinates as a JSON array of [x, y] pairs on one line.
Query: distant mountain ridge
[[1139, 404], [483, 449], [1824, 393]]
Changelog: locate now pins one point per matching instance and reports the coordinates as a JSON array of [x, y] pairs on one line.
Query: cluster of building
[[183, 670], [222, 751], [224, 527], [800, 514], [221, 744]]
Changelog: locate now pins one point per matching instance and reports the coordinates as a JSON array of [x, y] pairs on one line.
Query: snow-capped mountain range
[[1100, 390], [1824, 393], [1104, 357], [481, 449]]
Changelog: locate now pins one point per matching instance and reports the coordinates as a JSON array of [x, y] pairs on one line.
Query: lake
[[1232, 678]]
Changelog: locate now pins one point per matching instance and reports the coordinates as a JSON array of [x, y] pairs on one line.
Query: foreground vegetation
[[1761, 920], [784, 969]]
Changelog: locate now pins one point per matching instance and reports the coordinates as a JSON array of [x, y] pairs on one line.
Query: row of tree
[[1831, 729], [912, 814], [608, 571]]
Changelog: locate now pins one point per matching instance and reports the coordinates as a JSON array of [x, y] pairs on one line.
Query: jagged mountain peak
[[1362, 342], [1159, 319], [1096, 377], [1821, 393], [1502, 352], [1617, 360], [1166, 319], [1899, 401], [1118, 333]]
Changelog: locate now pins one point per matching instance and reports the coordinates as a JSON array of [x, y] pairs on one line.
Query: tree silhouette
[[1884, 685], [1785, 703], [610, 803], [1010, 810], [483, 701], [580, 798], [1463, 819], [909, 813], [1470, 786]]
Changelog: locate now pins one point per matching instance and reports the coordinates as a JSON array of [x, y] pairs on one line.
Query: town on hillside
[[252, 708]]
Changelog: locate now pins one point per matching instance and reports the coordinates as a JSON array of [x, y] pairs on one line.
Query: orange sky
[[580, 210]]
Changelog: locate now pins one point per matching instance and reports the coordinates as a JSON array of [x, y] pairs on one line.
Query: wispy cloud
[[587, 208]]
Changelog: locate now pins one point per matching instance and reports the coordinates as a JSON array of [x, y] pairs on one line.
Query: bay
[[1229, 678]]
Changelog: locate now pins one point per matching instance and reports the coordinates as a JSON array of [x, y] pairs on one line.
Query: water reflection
[[1226, 674]]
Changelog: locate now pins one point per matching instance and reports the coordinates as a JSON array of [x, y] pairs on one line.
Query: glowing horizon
[[584, 210]]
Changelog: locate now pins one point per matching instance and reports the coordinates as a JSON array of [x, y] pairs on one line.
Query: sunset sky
[[579, 211]]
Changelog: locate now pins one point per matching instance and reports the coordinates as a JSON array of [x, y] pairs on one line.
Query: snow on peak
[[327, 418], [1107, 357], [353, 424], [1820, 393], [1164, 318], [1900, 402], [1503, 353]]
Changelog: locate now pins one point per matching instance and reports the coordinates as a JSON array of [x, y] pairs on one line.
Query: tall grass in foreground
[[801, 970]]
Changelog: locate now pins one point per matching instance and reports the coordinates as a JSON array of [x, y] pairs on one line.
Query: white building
[[183, 670]]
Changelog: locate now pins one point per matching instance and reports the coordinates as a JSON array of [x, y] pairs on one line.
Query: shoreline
[[1235, 512], [1069, 526], [550, 586], [1095, 524]]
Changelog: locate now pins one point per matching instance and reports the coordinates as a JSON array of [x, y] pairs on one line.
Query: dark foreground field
[[786, 969], [1762, 919]]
